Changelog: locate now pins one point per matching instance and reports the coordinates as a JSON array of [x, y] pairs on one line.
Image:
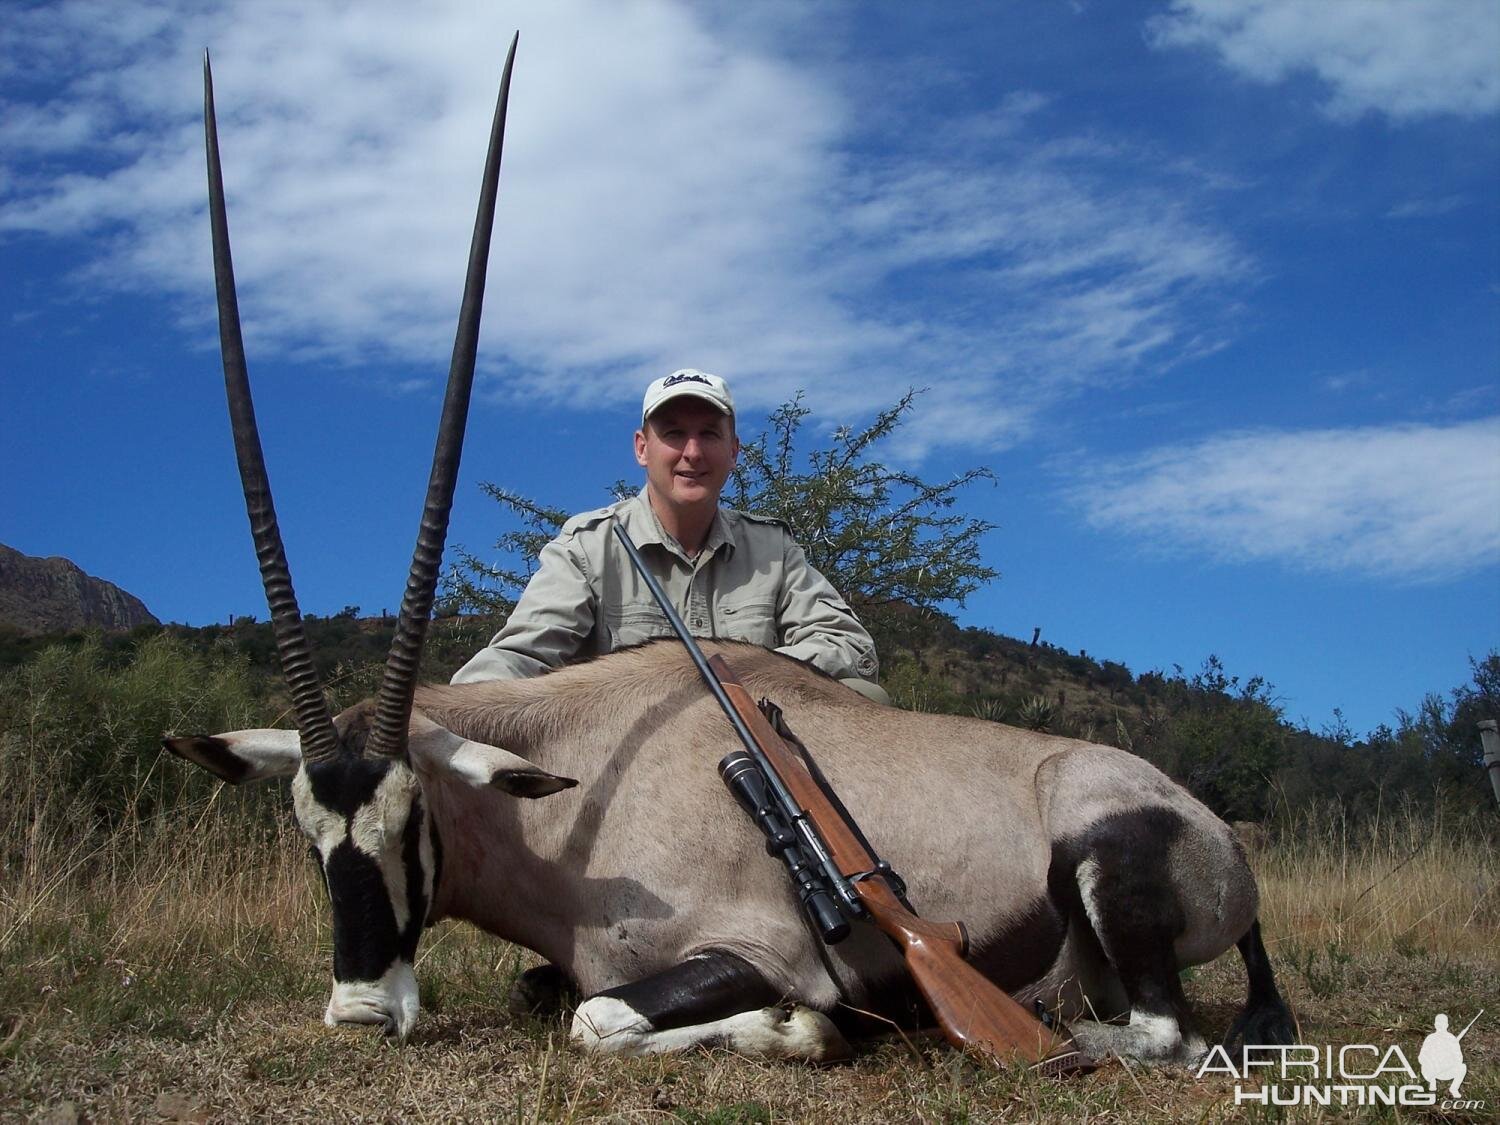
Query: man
[[730, 574]]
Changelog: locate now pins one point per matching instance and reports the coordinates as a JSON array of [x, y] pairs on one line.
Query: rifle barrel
[[848, 899]]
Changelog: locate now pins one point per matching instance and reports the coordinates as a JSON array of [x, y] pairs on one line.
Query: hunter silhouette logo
[[1356, 1074], [1441, 1058]]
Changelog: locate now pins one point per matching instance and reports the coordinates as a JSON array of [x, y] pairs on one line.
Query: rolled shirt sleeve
[[817, 625], [550, 625]]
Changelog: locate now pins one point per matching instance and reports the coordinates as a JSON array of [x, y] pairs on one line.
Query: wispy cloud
[[1345, 381], [1426, 208], [672, 194], [1411, 503], [1406, 60]]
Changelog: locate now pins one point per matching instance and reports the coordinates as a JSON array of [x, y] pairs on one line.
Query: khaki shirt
[[750, 582]]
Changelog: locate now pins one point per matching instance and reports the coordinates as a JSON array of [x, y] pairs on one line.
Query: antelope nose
[[390, 1003], [362, 1014]]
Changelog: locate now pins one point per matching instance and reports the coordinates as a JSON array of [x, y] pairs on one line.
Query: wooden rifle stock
[[970, 1008]]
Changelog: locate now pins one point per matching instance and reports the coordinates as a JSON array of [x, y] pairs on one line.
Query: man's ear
[[242, 755], [640, 448], [437, 748]]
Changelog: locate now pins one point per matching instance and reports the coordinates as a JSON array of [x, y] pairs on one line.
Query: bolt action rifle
[[838, 877]]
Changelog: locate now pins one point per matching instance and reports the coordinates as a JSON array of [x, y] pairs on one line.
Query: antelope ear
[[242, 755], [478, 763]]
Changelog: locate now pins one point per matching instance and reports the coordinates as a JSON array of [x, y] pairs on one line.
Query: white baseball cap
[[691, 382]]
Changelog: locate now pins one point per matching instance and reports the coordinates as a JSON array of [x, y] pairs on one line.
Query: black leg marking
[[1266, 1020], [542, 990], [700, 990], [1118, 874]]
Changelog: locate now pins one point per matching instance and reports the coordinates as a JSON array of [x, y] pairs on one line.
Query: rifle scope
[[743, 776]]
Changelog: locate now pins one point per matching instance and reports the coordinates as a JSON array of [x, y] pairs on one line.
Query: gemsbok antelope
[[1087, 878]]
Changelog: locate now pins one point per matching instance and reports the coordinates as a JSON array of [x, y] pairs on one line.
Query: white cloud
[[1413, 59], [1412, 503], [671, 195]]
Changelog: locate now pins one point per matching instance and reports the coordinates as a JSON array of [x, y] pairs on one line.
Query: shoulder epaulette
[[585, 520], [755, 517]]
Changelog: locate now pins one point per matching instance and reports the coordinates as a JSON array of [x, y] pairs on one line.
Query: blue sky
[[1211, 287]]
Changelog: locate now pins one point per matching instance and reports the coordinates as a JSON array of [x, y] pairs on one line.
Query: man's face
[[687, 449]]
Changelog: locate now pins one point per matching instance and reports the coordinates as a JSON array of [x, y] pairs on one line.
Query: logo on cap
[[687, 381]]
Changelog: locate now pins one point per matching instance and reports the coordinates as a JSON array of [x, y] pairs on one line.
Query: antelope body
[[1086, 878]]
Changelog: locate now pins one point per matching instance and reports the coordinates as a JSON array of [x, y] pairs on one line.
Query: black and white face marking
[[369, 830], [379, 851]]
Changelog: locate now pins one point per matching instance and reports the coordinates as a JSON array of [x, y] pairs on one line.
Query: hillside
[[54, 595], [1224, 739]]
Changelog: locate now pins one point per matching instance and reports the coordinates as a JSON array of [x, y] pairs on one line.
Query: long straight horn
[[319, 740], [393, 707]]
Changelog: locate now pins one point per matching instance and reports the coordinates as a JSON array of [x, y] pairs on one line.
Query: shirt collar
[[643, 527]]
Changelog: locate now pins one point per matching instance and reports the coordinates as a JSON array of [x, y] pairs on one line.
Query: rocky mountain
[[54, 595]]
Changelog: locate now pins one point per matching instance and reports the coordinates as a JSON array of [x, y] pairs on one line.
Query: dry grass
[[177, 970], [1405, 882]]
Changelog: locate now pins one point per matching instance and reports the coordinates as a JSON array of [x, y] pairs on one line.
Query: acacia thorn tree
[[896, 546]]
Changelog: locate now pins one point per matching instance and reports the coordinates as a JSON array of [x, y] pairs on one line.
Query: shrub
[[80, 734]]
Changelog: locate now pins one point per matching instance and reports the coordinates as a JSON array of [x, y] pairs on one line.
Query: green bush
[[81, 732]]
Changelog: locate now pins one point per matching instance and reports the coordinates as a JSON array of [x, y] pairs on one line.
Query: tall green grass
[[81, 732]]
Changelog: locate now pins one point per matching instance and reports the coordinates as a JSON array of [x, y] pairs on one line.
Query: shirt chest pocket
[[753, 621], [635, 625]]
